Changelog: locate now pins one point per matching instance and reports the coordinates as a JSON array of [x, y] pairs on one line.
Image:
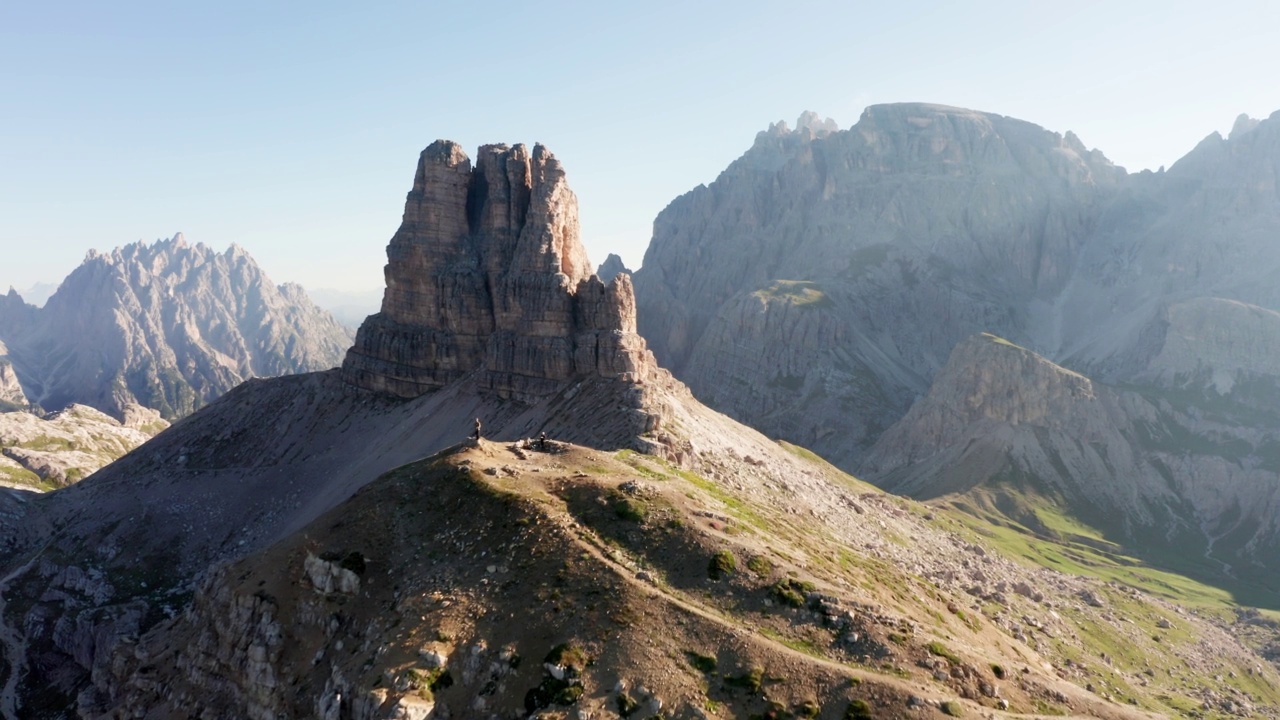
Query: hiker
[[476, 435], [542, 442]]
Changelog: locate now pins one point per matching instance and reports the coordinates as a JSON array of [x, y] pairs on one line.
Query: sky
[[293, 129]]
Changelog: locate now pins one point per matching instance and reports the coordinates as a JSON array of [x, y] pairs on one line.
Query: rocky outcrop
[[11, 395], [487, 275], [922, 225], [16, 317], [1149, 468], [610, 268], [170, 326], [69, 445]]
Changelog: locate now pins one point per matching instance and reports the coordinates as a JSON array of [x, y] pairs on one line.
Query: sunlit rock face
[[487, 274]]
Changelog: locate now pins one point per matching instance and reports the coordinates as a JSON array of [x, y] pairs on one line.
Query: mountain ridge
[[398, 537], [970, 212], [168, 325]]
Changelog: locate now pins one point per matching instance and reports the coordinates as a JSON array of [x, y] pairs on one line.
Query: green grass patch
[[626, 704], [760, 565], [830, 470], [23, 476], [722, 565], [791, 592], [629, 508], [733, 504], [751, 680], [569, 656], [1001, 341], [937, 648], [804, 294], [1035, 531], [702, 663], [804, 645], [858, 710], [428, 682]]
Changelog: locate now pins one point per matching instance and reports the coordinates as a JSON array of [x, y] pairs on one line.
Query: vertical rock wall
[[487, 273]]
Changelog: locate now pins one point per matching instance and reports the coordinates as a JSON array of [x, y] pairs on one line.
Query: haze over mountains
[[226, 569], [330, 544], [170, 326], [829, 280]]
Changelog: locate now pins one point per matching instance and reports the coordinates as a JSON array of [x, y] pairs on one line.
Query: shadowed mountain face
[[169, 326], [829, 281], [818, 284]]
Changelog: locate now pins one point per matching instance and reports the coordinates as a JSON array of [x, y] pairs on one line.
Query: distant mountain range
[[39, 293], [349, 307], [831, 288], [170, 326]]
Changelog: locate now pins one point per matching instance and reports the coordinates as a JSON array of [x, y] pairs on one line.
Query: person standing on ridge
[[476, 434]]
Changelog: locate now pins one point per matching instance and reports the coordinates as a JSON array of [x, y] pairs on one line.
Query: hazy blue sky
[[293, 128]]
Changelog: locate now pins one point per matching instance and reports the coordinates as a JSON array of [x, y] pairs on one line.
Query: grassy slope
[[614, 554]]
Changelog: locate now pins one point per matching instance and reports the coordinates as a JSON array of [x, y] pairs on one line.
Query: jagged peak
[[1242, 125], [810, 125], [816, 124], [445, 151], [141, 251], [487, 272], [611, 267]]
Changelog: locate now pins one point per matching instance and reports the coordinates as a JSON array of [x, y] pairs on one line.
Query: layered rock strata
[[487, 274]]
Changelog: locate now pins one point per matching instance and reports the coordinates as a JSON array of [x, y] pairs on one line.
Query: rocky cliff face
[[11, 395], [70, 445], [998, 408], [1201, 230], [923, 225], [16, 317], [291, 549], [919, 226], [170, 326], [1152, 468], [487, 275]]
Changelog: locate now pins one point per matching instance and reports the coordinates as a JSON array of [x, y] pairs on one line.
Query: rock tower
[[487, 275]]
